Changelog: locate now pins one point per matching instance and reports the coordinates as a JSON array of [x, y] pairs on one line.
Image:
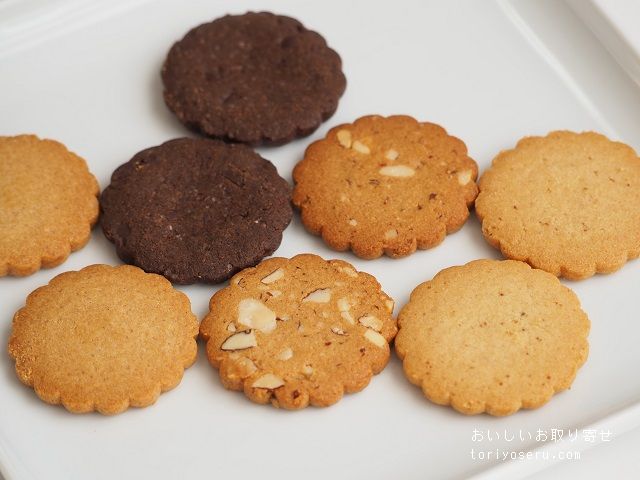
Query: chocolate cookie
[[196, 210], [256, 78]]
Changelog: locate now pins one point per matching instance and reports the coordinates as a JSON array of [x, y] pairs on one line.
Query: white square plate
[[87, 74]]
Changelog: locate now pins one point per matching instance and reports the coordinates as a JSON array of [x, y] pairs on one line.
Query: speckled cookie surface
[[48, 204], [492, 336], [299, 331], [385, 186], [568, 203], [103, 338], [256, 78], [196, 210]]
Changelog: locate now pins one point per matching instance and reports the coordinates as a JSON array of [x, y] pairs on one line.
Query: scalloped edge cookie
[[492, 336], [196, 74], [57, 361], [299, 331], [385, 185], [196, 209], [30, 237], [522, 204]]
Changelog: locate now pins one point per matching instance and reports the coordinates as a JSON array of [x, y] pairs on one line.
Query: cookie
[[385, 186], [48, 204], [103, 339], [196, 210], [299, 331], [568, 203], [256, 78], [492, 336]]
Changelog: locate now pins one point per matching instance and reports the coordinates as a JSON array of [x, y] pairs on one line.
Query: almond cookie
[[385, 185], [103, 338], [48, 204], [256, 78], [492, 336], [299, 331], [568, 203]]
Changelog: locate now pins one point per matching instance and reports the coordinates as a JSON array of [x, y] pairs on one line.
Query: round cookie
[[196, 210], [568, 203], [48, 204], [299, 331], [385, 185], [256, 78], [103, 339], [492, 336]]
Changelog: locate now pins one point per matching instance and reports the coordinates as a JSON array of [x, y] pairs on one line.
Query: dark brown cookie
[[256, 78], [196, 210]]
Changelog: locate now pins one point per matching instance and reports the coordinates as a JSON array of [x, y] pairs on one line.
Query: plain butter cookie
[[568, 203], [103, 338], [492, 336]]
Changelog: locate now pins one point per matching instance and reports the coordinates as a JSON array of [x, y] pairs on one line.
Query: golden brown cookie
[[299, 331], [48, 204], [568, 203], [385, 185], [492, 336], [104, 338]]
